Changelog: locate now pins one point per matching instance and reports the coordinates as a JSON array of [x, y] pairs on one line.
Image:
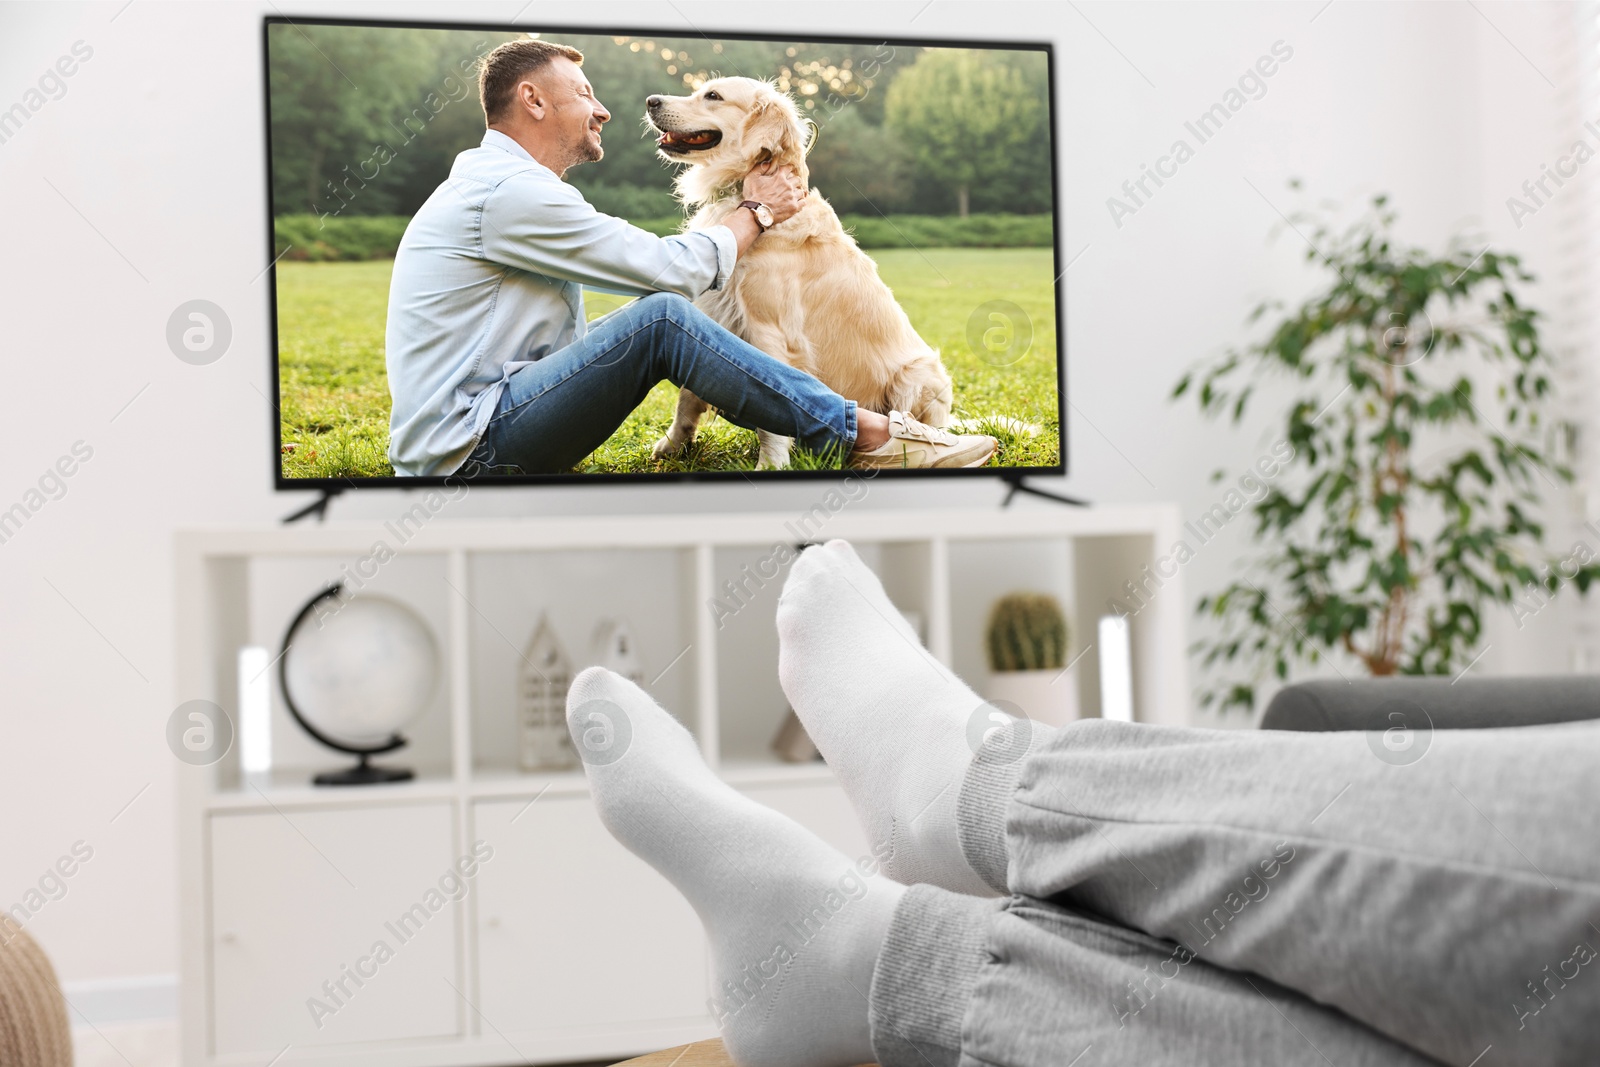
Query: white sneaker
[[916, 444]]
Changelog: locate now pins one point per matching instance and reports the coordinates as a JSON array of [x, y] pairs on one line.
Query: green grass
[[334, 390], [335, 416]]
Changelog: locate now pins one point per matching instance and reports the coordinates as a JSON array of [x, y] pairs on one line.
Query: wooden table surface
[[700, 1054]]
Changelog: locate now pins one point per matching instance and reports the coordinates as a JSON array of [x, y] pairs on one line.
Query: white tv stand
[[563, 947]]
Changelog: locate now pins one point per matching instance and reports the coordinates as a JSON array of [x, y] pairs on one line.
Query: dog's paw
[[667, 447], [773, 461]]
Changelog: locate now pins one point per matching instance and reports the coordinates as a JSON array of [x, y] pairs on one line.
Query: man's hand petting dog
[[779, 189]]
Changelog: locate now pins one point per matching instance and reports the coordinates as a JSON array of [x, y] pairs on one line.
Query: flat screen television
[[399, 319]]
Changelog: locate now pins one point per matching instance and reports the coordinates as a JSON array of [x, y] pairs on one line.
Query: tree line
[[366, 121]]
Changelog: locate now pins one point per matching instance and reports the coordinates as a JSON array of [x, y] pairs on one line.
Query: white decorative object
[[1116, 669], [255, 710], [363, 669], [544, 676], [614, 648], [1049, 697]]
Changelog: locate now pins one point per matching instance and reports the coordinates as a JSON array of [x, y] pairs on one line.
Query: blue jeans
[[554, 412]]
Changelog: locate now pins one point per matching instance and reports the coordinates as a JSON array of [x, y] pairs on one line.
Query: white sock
[[794, 926], [892, 722]]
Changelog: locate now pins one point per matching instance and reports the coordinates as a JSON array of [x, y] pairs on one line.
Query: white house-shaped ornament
[[543, 678], [615, 649]]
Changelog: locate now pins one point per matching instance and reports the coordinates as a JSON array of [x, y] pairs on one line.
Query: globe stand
[[364, 773]]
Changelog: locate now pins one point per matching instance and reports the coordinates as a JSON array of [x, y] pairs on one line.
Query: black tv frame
[[334, 486]]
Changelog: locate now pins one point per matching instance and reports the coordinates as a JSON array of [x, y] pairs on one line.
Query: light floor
[[139, 1044]]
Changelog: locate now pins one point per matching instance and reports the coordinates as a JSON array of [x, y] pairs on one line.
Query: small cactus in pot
[[1027, 642], [1027, 632]]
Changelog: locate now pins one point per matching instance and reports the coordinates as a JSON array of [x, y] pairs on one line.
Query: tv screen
[[659, 255]]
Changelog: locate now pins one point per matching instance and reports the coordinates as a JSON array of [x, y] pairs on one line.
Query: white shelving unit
[[560, 946]]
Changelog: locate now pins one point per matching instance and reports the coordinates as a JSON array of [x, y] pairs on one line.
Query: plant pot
[[1050, 697]]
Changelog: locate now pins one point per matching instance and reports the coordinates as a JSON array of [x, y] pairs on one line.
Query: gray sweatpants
[[1183, 897]]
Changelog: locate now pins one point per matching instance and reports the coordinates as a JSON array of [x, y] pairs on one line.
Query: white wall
[[142, 188]]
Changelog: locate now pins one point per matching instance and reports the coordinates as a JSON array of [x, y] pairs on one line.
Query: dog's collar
[[735, 190], [728, 196]]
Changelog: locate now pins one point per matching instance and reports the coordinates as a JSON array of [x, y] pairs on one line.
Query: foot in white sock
[[794, 926], [894, 724]]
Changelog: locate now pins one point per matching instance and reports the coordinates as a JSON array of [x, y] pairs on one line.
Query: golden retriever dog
[[804, 293]]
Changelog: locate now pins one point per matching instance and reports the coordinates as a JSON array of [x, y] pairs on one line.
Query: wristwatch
[[764, 217]]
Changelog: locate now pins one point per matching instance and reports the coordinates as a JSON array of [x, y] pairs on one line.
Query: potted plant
[[1418, 422], [1027, 644]]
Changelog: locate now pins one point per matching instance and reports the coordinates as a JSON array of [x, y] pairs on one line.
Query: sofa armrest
[[1470, 703]]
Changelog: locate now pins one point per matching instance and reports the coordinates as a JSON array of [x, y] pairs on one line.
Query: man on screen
[[491, 366]]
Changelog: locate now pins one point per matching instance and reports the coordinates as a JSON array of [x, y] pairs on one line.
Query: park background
[[938, 160]]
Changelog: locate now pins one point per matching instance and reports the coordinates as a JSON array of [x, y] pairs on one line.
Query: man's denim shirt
[[489, 277]]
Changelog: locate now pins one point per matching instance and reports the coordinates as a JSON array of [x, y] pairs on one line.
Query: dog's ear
[[789, 133]]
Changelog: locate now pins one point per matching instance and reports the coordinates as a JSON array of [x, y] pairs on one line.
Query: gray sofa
[[1433, 703]]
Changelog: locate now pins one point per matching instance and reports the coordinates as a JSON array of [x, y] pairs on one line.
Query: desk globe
[[355, 670]]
